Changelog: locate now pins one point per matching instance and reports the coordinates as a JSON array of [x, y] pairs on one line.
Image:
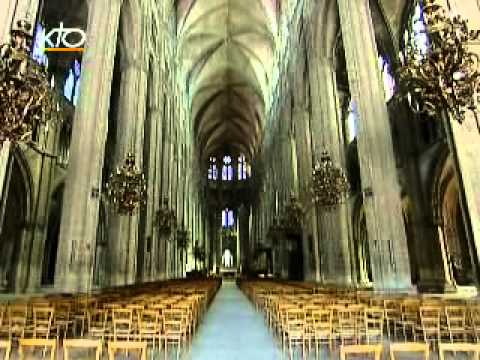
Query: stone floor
[[232, 330]]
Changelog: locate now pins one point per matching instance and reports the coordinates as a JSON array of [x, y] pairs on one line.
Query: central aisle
[[232, 330]]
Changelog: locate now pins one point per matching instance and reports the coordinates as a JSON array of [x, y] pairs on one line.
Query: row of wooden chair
[[161, 315], [396, 350], [50, 346], [300, 316]]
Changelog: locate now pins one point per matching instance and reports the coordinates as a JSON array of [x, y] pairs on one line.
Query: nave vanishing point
[[239, 179]]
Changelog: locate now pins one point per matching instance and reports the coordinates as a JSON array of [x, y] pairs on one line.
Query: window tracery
[[227, 169], [228, 219], [212, 169], [243, 168]]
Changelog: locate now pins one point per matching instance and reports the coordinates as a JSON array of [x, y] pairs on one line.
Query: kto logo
[[64, 43]]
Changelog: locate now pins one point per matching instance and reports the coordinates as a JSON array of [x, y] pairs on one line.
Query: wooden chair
[[296, 336], [122, 321], [456, 318], [408, 317], [429, 327], [322, 328], [114, 346], [364, 350], [347, 326], [6, 345], [458, 347], [50, 344], [42, 321], [17, 320], [81, 344], [97, 323], [149, 326], [374, 318], [392, 315], [173, 334], [475, 321], [409, 347], [63, 319]]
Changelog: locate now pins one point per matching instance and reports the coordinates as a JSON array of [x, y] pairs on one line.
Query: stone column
[[154, 187], [386, 231], [327, 136], [76, 252], [7, 11], [466, 139], [130, 126]]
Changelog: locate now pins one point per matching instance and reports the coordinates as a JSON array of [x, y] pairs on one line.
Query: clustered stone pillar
[[124, 229], [327, 136], [76, 253], [466, 138], [386, 231]]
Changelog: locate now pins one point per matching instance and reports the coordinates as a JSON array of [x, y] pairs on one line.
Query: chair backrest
[[456, 316], [114, 346], [365, 350], [50, 344], [148, 321], [322, 320], [81, 344], [374, 318], [458, 347], [409, 347], [430, 317], [7, 346]]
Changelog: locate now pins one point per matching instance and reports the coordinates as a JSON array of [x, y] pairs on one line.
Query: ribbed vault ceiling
[[227, 53]]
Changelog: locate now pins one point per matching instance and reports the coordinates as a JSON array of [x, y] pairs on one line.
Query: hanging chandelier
[[166, 220], [330, 185], [26, 98], [446, 76], [182, 238], [126, 187], [293, 215]]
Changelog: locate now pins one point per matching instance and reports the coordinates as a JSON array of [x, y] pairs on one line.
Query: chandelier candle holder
[[330, 186], [26, 98], [182, 238], [445, 77], [293, 216], [166, 220], [126, 187]]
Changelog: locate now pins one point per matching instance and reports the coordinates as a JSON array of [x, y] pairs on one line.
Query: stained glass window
[[416, 33], [71, 88], [227, 169], [352, 122], [228, 219], [38, 52], [212, 169], [389, 83], [242, 168]]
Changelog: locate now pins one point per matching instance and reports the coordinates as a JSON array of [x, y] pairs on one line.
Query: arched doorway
[[447, 211], [362, 251], [53, 233], [15, 218], [455, 238]]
